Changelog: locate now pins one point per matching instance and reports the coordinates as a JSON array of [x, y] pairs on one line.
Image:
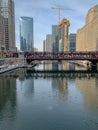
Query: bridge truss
[[91, 56]]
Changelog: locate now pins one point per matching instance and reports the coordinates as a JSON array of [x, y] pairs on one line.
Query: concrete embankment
[[4, 69], [86, 64], [10, 68]]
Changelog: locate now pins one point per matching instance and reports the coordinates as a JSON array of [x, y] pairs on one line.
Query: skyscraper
[[54, 38], [44, 46], [26, 33], [7, 11], [72, 42], [48, 43], [2, 33]]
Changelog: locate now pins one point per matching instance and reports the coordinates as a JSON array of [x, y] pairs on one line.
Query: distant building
[[7, 11], [72, 42], [54, 38], [35, 49], [63, 35], [26, 34], [87, 36], [47, 47], [2, 33], [48, 43], [44, 47]]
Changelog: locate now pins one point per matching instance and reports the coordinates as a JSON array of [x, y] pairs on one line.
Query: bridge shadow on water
[[63, 73], [30, 72]]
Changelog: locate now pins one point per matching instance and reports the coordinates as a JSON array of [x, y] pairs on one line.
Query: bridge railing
[[62, 55]]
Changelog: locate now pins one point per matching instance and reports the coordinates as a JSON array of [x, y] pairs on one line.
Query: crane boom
[[59, 9]]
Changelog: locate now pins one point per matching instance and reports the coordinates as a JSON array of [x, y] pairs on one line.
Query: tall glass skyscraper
[[72, 42], [54, 38], [7, 11], [26, 33]]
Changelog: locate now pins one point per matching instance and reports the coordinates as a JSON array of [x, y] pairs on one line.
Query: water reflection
[[89, 90], [86, 84], [48, 103], [8, 99], [60, 86]]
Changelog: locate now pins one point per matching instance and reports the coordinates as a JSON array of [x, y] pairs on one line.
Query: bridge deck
[[91, 56]]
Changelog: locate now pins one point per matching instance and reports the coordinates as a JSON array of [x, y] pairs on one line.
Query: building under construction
[[63, 35]]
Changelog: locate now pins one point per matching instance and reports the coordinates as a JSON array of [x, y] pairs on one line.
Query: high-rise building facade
[[44, 46], [54, 38], [87, 36], [63, 35], [72, 42], [48, 43], [35, 49], [26, 34], [7, 11], [2, 33]]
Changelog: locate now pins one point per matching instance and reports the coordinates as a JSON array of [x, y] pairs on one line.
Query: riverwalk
[[10, 64], [13, 67]]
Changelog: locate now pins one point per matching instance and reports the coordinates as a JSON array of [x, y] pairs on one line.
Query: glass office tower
[[72, 42], [7, 11], [54, 38], [26, 33]]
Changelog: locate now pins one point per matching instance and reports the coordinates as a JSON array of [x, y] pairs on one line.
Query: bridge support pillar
[[94, 65]]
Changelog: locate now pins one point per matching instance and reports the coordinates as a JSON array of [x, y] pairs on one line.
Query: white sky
[[44, 16]]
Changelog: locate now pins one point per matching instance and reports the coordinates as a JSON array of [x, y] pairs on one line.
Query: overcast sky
[[44, 16]]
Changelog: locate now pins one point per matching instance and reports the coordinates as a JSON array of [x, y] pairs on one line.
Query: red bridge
[[91, 56]]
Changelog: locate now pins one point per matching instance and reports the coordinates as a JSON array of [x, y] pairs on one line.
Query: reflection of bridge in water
[[62, 73], [26, 73]]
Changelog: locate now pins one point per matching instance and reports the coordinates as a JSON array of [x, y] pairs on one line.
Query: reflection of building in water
[[70, 66], [47, 65], [54, 66], [89, 89], [20, 73], [27, 86], [7, 96], [61, 85], [63, 66]]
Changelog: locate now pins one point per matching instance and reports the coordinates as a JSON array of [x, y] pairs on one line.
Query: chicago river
[[48, 101]]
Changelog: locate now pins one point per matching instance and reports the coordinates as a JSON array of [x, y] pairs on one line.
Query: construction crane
[[59, 10]]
